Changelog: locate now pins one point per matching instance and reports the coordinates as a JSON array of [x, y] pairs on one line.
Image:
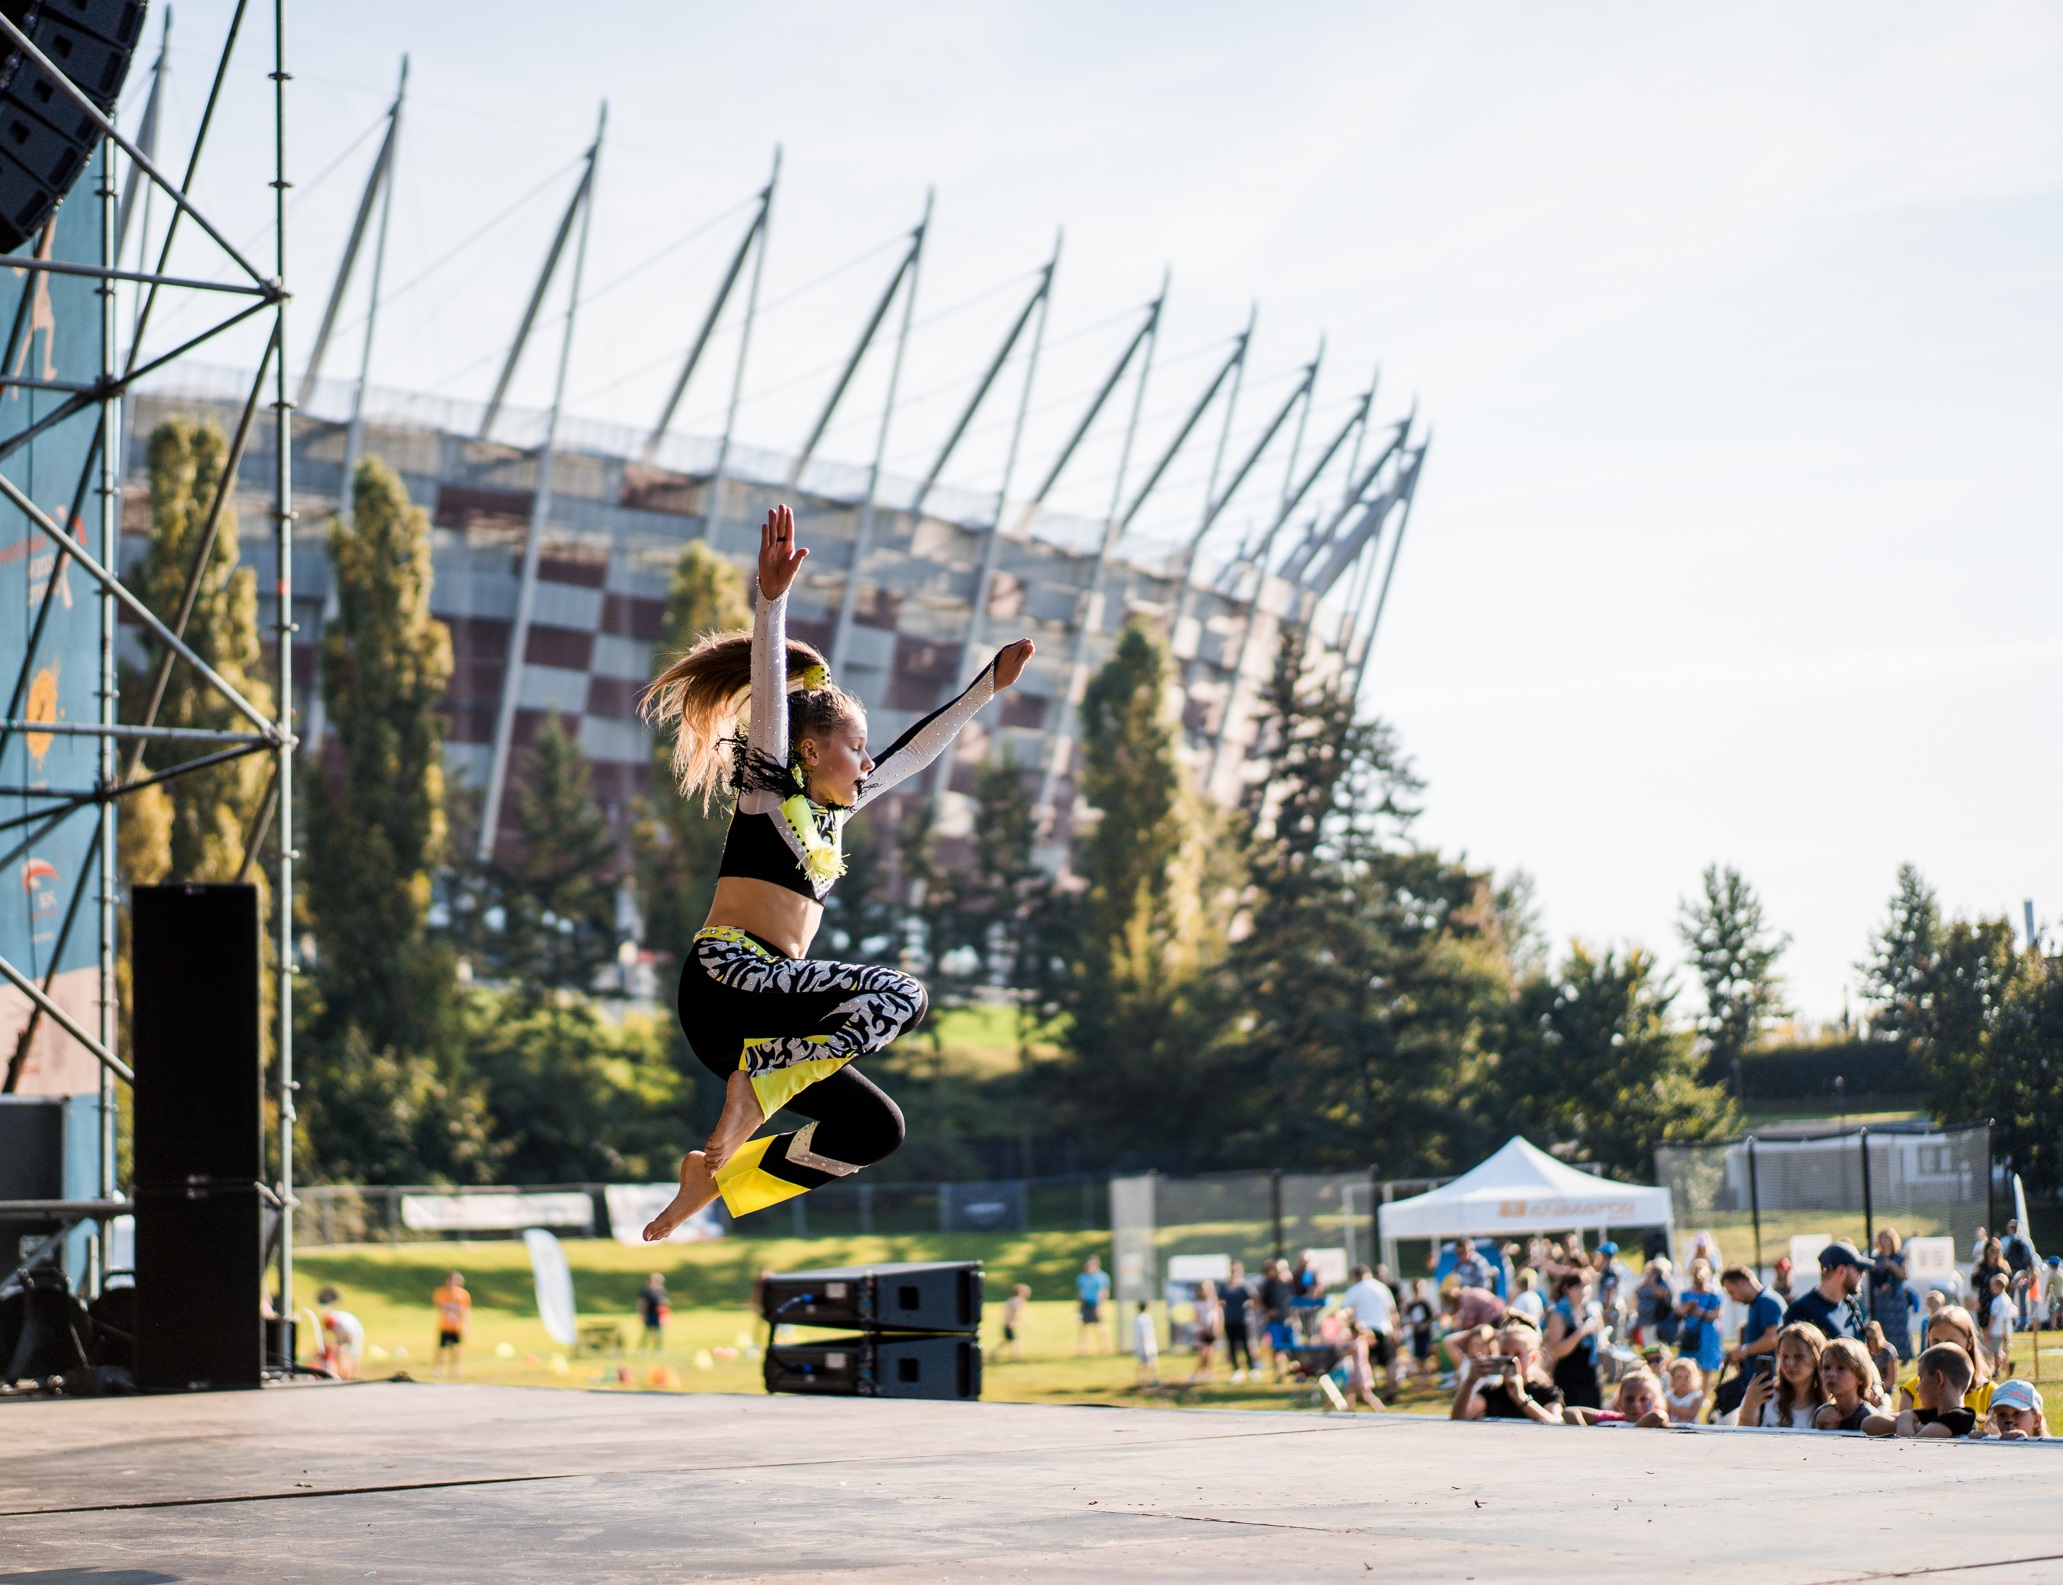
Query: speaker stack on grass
[[915, 1330]]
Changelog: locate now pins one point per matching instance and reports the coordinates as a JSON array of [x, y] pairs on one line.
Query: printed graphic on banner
[[53, 334]]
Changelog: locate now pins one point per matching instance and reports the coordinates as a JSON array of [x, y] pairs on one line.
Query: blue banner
[[56, 325]]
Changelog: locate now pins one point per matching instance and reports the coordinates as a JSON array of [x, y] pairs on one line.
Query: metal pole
[[1755, 1205], [863, 533], [540, 511], [1211, 506], [1869, 1217], [903, 269], [712, 514], [985, 567], [1275, 1210], [576, 206], [146, 140], [1089, 613], [283, 763], [110, 543], [354, 437]]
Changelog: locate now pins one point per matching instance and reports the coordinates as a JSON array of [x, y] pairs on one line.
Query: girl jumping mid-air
[[776, 1027]]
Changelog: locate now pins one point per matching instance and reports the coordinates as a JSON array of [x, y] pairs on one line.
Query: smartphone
[[1497, 1364]]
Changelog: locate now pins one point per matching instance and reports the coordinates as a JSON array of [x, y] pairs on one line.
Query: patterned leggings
[[792, 1025]]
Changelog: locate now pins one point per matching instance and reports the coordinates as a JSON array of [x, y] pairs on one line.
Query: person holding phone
[[1509, 1384]]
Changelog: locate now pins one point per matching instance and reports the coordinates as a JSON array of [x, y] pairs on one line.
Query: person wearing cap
[[2016, 1412], [1831, 1306]]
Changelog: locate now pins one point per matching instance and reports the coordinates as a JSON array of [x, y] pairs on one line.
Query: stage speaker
[[877, 1365], [912, 1296], [49, 1150], [194, 1026], [46, 140]]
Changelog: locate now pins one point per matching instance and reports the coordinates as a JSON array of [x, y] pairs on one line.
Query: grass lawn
[[712, 1341]]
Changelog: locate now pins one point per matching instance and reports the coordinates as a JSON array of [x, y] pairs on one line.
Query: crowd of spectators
[[1553, 1332]]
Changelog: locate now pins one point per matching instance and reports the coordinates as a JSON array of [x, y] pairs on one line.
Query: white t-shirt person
[[1374, 1306]]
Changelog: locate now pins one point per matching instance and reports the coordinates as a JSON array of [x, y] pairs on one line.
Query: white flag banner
[[554, 1286], [475, 1213], [632, 1205]]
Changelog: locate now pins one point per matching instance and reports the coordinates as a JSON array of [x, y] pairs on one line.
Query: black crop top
[[760, 844]]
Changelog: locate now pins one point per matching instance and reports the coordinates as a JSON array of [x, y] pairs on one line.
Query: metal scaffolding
[[249, 294]]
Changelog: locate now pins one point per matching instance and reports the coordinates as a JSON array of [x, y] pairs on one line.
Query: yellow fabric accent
[[745, 1188], [823, 861], [778, 1086], [733, 935]]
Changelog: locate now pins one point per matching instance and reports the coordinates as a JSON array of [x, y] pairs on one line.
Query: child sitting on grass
[[1945, 1374]]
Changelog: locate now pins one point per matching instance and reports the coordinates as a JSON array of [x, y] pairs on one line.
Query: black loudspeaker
[[195, 1025], [913, 1296], [45, 138], [878, 1366]]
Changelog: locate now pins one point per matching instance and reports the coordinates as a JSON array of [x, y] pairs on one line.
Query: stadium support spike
[[1226, 370], [1396, 546], [753, 232], [981, 389], [377, 182], [575, 207], [712, 510], [540, 513], [863, 531], [146, 140], [905, 268], [1089, 611], [985, 560], [1147, 327]]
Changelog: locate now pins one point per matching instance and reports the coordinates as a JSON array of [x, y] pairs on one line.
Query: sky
[[1737, 332]]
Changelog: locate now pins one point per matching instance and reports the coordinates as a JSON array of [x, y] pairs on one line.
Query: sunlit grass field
[[713, 1340]]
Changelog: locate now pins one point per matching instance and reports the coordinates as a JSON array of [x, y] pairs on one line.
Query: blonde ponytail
[[703, 694]]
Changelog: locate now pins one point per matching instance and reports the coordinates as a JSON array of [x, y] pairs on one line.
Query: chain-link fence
[[1757, 1194], [1244, 1216], [363, 1214]]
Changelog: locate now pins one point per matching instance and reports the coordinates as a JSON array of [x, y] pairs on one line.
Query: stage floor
[[407, 1482]]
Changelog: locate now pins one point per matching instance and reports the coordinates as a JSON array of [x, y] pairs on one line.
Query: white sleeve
[[928, 739], [767, 738]]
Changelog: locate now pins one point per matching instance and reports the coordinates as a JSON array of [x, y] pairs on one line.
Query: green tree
[[557, 891], [575, 1097], [1962, 997], [1359, 995], [1593, 1063], [2025, 1059], [1134, 940], [194, 828], [1734, 957], [376, 832], [386, 1095], [1902, 958], [675, 843]]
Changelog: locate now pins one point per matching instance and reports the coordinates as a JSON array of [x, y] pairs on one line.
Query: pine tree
[[1593, 1063], [1962, 995], [1357, 995], [2025, 1056], [558, 890], [1734, 957], [676, 845], [1902, 957], [195, 827]]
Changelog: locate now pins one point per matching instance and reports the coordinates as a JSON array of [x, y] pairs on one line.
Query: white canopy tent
[[1522, 1189]]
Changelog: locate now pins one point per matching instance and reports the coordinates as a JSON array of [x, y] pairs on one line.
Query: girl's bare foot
[[698, 1188], [741, 1115]]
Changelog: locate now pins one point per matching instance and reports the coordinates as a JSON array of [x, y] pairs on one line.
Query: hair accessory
[[815, 677]]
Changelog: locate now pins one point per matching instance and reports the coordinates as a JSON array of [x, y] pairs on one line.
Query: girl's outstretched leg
[[698, 1188]]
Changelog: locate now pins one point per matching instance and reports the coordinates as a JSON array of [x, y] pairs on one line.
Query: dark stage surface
[[453, 1484]]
